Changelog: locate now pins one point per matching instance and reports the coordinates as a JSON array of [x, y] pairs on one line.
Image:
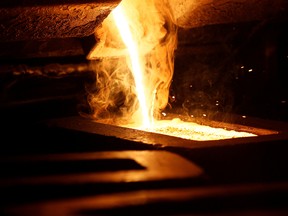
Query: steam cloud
[[113, 99]]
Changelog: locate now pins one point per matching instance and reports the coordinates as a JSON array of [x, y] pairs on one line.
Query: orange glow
[[139, 37]]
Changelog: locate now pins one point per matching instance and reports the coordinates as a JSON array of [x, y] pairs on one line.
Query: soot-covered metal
[[230, 72]]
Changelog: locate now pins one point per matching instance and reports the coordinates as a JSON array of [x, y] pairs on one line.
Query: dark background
[[233, 68]]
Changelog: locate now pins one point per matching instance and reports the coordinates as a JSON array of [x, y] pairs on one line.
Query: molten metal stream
[[126, 35]]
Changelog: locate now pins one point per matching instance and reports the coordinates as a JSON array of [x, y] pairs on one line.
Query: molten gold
[[191, 130]]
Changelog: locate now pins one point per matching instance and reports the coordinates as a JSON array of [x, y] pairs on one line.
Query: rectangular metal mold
[[265, 130]]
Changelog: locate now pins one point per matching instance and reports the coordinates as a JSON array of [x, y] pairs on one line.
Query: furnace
[[145, 107]]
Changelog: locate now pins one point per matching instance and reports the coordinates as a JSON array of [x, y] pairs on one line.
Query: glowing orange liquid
[[191, 131]]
